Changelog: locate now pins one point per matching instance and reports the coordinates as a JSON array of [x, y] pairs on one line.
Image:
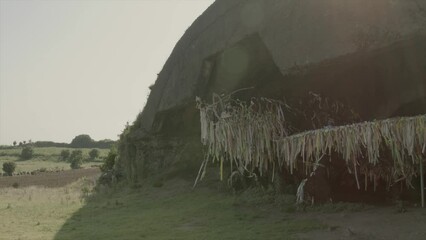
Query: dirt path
[[375, 224], [49, 179]]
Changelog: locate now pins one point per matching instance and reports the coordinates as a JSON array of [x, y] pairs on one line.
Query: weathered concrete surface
[[296, 33]]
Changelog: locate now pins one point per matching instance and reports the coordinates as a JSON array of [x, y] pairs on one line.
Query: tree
[[76, 154], [94, 153], [9, 168], [27, 153], [65, 154], [82, 141], [76, 159], [76, 163], [14, 143]]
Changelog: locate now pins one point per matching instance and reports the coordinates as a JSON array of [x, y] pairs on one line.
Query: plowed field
[[49, 179]]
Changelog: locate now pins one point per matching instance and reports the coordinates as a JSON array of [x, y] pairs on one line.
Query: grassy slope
[[48, 158], [176, 212]]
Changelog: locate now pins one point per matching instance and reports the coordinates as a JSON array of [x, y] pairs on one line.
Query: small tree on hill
[[82, 141], [65, 154], [94, 153], [14, 143], [9, 168], [76, 159], [27, 153]]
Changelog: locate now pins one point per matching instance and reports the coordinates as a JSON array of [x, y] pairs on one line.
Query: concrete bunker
[[382, 76]]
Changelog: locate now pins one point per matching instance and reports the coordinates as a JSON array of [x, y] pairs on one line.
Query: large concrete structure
[[370, 55]]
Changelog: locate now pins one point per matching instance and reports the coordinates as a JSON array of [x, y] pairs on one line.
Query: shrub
[[111, 172], [27, 153], [65, 154], [76, 154], [76, 163], [109, 161], [9, 168], [94, 153], [76, 159]]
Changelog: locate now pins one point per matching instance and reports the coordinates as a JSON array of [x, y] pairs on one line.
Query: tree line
[[80, 141]]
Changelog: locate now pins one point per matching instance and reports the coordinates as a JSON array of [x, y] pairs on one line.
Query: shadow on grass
[[176, 212]]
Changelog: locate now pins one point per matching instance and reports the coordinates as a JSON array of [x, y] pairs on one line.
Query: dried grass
[[255, 136]]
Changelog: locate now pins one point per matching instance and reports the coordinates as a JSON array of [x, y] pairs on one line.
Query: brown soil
[[375, 224], [49, 179]]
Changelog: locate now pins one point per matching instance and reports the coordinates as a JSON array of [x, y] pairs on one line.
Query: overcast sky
[[72, 67]]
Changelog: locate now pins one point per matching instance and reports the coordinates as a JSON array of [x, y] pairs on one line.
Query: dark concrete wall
[[369, 54], [295, 32]]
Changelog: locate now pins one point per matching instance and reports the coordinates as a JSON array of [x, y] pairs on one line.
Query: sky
[[70, 67]]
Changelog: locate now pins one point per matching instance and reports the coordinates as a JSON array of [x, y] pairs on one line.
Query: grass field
[[175, 211], [48, 158], [171, 212], [38, 212], [49, 179]]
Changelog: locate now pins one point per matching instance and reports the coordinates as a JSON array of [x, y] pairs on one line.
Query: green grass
[[338, 207], [48, 158], [37, 212], [173, 211], [176, 212]]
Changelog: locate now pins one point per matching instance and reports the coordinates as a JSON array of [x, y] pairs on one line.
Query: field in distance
[[47, 158]]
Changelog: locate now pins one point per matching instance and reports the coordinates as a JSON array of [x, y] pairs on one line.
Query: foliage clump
[[109, 160], [93, 154], [76, 159], [110, 171], [65, 154], [27, 153], [9, 168], [82, 141]]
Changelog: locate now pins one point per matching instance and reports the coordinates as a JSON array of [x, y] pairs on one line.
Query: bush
[[76, 154], [9, 168], [94, 153], [110, 171], [27, 153], [76, 163], [65, 154], [109, 161], [76, 159]]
